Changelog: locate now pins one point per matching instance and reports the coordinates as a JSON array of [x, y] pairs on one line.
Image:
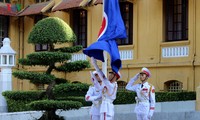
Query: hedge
[[22, 95], [71, 89], [175, 96], [79, 99], [54, 104], [18, 100]]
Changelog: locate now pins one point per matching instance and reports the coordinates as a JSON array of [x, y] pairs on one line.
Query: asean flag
[[112, 28]]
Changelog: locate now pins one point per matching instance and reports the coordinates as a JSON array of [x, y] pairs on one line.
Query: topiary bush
[[78, 89], [51, 31]]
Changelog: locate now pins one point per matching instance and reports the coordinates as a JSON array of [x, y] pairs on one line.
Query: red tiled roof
[[33, 9], [4, 10], [98, 2], [66, 4]]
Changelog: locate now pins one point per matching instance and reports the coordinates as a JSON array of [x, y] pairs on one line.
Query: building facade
[[163, 35]]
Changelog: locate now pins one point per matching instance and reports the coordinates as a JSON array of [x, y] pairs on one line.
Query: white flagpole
[[104, 64]]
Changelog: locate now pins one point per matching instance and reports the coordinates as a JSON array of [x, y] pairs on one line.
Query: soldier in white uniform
[[108, 93], [94, 92], [145, 100]]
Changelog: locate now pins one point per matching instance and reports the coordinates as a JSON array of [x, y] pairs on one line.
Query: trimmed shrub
[[18, 100], [175, 96], [54, 105], [80, 99], [22, 95], [71, 89]]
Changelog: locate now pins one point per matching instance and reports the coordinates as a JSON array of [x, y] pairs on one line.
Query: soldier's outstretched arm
[[130, 86], [101, 74]]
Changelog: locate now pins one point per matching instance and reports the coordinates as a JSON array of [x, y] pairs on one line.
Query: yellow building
[[162, 35]]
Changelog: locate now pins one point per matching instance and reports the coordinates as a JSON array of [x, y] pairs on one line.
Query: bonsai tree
[[51, 31]]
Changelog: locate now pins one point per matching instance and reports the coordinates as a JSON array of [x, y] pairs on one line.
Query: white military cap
[[146, 71], [94, 72]]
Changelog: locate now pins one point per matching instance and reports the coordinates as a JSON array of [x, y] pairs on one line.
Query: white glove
[[150, 114], [94, 98], [136, 76], [94, 63], [149, 117], [132, 80]]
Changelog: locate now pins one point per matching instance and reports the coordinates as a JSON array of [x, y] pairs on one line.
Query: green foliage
[[175, 96], [61, 80], [72, 49], [18, 105], [76, 98], [45, 58], [128, 97], [51, 30], [34, 77], [78, 89], [74, 66], [55, 104], [125, 97], [22, 95], [18, 100]]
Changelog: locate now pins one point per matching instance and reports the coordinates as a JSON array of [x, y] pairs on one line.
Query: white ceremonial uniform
[[145, 100], [94, 92], [95, 108], [108, 96]]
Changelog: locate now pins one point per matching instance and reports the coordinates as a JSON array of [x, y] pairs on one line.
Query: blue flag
[[112, 28]]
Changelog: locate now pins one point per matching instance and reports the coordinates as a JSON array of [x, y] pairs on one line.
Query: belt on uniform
[[138, 100], [97, 104], [107, 100]]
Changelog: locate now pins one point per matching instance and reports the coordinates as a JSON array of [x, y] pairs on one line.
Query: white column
[[7, 61], [5, 84]]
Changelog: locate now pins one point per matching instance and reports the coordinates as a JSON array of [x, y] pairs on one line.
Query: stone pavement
[[181, 110]]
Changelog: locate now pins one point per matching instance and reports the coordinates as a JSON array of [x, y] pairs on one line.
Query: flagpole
[[104, 64], [112, 28]]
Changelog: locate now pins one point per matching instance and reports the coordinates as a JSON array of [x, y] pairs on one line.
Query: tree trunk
[[50, 115]]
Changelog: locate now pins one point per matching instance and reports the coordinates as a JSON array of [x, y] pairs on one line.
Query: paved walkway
[[182, 110]]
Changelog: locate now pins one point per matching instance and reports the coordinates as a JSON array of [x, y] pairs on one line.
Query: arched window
[[173, 86], [121, 85]]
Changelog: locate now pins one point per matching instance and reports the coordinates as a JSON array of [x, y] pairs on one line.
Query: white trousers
[[142, 117], [104, 116], [95, 117]]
